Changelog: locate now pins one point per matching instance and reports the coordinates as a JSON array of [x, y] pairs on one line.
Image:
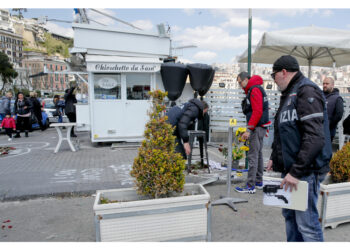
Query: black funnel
[[174, 77], [201, 77]]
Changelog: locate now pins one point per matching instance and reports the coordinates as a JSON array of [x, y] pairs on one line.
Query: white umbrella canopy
[[311, 46]]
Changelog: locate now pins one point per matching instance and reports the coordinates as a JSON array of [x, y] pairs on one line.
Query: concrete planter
[[334, 203], [181, 218]]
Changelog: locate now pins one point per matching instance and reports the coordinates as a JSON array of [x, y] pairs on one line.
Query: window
[[56, 67], [137, 86], [56, 77], [107, 86]]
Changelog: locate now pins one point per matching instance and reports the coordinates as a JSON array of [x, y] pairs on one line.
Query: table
[[58, 127]]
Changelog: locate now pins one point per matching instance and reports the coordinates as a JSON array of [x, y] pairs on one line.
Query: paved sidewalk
[[47, 197]]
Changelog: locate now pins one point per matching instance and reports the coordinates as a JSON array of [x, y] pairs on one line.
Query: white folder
[[295, 200]]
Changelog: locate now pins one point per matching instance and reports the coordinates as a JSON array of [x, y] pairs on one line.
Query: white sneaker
[[10, 139]]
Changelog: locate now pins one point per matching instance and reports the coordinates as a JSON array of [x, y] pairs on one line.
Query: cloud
[[243, 22], [184, 60], [205, 55], [215, 38], [293, 12], [327, 13], [143, 24], [189, 12], [54, 28]]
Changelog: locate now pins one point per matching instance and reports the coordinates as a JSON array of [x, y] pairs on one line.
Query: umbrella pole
[[309, 75], [250, 42]]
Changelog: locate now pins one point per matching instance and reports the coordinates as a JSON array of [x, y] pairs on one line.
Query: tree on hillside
[[54, 46], [19, 10], [7, 71]]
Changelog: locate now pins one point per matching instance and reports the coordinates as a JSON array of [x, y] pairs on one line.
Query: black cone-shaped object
[[174, 78], [201, 77]]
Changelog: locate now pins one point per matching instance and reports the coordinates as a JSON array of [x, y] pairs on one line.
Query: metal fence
[[226, 104]]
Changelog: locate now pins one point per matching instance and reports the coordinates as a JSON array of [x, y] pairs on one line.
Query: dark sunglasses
[[274, 73]]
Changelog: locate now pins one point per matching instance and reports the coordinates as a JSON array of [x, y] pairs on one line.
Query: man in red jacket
[[255, 106]]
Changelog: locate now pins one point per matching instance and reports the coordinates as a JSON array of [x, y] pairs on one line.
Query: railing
[[226, 104]]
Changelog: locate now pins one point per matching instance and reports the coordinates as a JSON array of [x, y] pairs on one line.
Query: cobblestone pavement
[[40, 182]]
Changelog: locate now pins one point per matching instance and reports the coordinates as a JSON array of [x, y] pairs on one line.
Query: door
[[107, 107], [137, 103]]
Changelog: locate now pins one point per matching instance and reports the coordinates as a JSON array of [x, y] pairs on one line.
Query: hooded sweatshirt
[[256, 100]]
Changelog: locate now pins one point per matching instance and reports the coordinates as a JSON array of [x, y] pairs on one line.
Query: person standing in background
[[335, 104], [70, 111], [23, 109]]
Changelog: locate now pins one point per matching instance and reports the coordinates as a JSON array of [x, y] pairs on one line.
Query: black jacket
[[309, 102], [192, 110], [19, 106], [335, 108], [70, 100], [36, 107]]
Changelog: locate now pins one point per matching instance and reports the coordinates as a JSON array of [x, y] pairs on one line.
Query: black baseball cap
[[287, 62]]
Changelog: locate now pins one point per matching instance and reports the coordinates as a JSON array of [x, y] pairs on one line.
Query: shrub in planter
[[157, 169], [340, 165]]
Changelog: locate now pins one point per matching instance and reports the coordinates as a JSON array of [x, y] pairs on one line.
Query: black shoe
[[73, 135], [17, 136], [26, 133]]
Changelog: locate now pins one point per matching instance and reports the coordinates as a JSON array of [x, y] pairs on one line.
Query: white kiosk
[[122, 65]]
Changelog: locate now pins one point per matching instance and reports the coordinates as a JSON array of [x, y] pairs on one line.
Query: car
[[49, 108]]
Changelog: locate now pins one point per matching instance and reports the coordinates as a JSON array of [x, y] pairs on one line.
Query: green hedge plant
[[340, 165], [157, 169]]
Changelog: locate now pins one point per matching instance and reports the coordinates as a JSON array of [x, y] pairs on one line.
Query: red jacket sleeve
[[256, 100]]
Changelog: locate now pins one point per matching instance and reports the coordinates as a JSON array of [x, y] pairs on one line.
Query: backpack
[[174, 113]]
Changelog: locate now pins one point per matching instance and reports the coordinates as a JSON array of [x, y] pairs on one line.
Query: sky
[[218, 31]]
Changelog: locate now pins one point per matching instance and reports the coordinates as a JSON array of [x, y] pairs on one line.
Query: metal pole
[[229, 164], [310, 62], [229, 201], [250, 42], [249, 59]]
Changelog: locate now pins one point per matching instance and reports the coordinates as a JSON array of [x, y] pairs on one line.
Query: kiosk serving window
[[107, 86], [137, 86]]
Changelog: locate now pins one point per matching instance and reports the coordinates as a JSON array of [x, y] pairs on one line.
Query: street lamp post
[[250, 42]]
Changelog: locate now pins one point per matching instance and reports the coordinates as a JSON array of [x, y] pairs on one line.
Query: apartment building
[[35, 63]]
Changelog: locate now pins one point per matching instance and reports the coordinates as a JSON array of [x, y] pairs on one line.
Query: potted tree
[[161, 207], [334, 202]]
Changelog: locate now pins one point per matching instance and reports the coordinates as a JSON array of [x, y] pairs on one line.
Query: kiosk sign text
[[121, 67]]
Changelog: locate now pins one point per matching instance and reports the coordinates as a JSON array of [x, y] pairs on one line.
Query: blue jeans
[[304, 225]]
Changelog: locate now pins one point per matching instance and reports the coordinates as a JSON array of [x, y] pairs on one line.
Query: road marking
[[123, 172], [28, 149]]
